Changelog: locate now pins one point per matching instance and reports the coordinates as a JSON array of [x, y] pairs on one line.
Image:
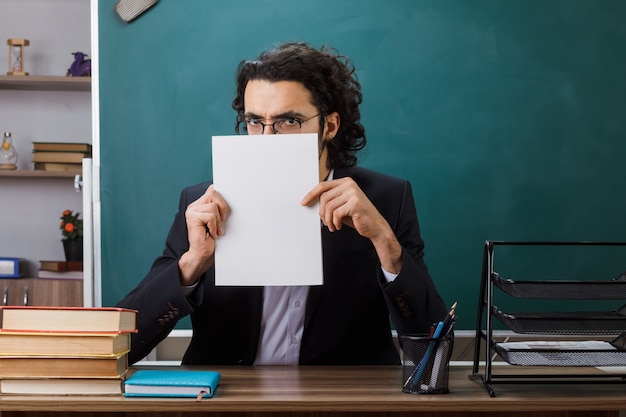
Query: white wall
[[30, 209]]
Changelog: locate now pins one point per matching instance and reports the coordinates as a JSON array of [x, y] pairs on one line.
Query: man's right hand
[[205, 218]]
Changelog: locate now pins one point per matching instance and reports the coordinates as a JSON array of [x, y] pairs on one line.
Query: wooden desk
[[333, 391]]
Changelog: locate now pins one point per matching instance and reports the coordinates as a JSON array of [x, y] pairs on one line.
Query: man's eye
[[290, 122], [254, 122]]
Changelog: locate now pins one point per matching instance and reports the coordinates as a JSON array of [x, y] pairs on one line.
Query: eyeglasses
[[283, 125]]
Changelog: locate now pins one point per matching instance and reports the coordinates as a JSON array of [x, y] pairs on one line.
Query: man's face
[[270, 101]]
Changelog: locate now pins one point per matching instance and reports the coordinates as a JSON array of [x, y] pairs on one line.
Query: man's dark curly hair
[[332, 82]]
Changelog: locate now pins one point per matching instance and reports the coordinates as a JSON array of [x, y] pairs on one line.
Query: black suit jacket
[[346, 319]]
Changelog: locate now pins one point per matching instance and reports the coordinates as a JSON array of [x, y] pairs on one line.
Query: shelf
[[44, 83], [38, 174], [566, 323], [563, 356], [563, 289]]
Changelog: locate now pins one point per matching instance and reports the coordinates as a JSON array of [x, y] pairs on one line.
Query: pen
[[419, 370], [421, 366], [443, 327]]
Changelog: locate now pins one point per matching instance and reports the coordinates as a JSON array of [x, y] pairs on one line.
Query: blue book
[[171, 383]]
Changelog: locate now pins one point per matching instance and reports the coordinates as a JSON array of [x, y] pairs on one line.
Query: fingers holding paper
[[343, 202], [205, 218]]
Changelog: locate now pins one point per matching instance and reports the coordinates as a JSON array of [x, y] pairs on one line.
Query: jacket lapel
[[331, 245]]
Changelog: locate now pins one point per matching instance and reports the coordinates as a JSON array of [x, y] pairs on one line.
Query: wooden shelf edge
[[23, 173], [45, 83], [31, 278]]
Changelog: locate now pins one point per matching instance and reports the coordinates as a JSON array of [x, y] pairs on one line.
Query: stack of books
[[64, 350], [60, 269], [60, 156]]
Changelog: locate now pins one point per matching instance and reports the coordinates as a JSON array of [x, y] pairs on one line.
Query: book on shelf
[[58, 166], [171, 383], [68, 319], [43, 273], [52, 156], [16, 343], [61, 386], [63, 367], [51, 265], [62, 147]]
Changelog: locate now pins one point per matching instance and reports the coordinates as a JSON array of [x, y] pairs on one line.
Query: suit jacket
[[346, 319]]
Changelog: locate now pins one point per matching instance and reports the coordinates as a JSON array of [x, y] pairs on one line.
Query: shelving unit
[[44, 106], [29, 290], [610, 325], [45, 83], [38, 174]]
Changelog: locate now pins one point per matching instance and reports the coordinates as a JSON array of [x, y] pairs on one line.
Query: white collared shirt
[[282, 323]]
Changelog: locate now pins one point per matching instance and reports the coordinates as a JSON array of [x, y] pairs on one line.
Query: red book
[[61, 265]]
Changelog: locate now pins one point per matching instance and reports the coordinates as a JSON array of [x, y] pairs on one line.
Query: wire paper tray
[[583, 323], [563, 289], [592, 353]]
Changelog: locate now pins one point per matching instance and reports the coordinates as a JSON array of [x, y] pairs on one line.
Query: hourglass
[[16, 56]]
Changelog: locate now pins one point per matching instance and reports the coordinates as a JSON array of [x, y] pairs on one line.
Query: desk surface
[[337, 389]]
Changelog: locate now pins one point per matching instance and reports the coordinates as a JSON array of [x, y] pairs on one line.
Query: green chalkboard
[[508, 117]]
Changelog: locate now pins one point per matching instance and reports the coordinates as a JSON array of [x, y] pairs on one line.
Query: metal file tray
[[563, 289], [553, 352], [562, 357], [572, 323]]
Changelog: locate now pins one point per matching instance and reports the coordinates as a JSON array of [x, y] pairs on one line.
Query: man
[[372, 249]]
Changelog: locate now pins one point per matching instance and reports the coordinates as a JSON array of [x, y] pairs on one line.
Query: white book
[[60, 274]]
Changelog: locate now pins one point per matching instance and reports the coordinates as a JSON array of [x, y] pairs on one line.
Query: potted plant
[[72, 230]]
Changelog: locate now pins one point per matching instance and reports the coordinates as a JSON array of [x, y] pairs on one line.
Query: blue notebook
[[171, 383]]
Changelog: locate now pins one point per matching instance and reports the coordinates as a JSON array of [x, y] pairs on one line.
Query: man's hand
[[205, 218], [343, 202]]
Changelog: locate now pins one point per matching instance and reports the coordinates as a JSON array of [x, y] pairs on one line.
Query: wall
[[30, 209], [507, 117]]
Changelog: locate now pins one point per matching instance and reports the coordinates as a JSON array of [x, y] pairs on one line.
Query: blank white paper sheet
[[269, 238]]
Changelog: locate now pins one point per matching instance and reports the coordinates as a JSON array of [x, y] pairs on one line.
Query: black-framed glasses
[[284, 125]]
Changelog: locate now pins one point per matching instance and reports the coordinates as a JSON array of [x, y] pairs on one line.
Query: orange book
[[61, 386], [68, 157], [68, 319], [62, 367], [63, 344]]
